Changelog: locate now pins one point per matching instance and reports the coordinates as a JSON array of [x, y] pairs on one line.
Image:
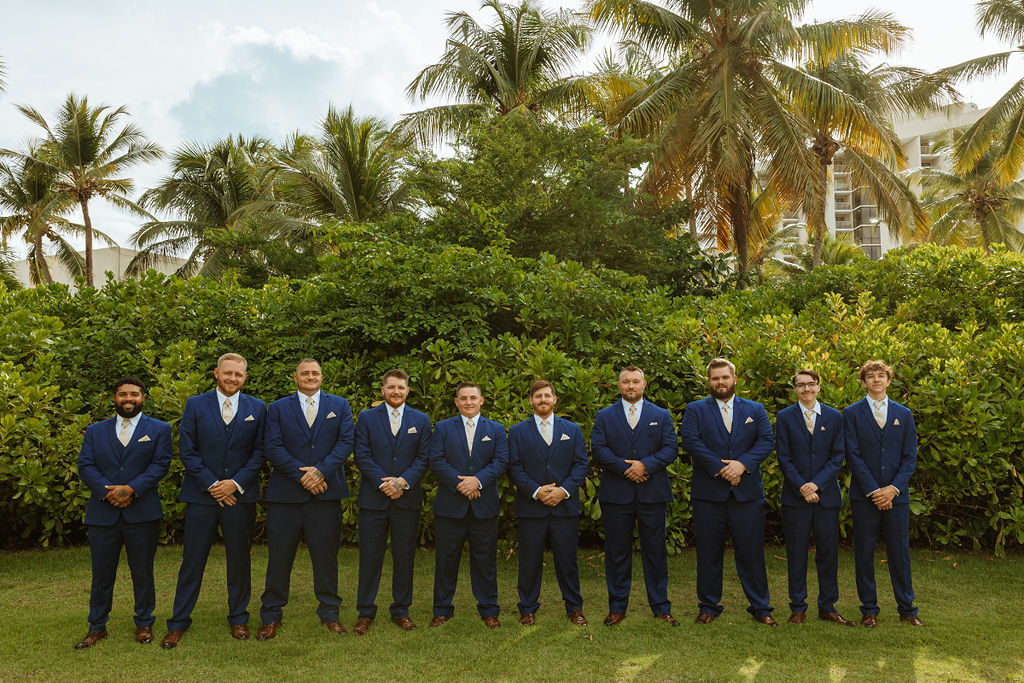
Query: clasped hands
[[810, 492], [469, 486], [393, 487], [636, 472], [224, 492], [551, 494], [119, 495], [312, 480], [732, 471], [882, 498]]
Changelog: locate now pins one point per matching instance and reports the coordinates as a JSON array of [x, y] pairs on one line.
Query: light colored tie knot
[[632, 418], [395, 422], [809, 419], [226, 413], [470, 433], [122, 435], [545, 431], [879, 415], [310, 411]]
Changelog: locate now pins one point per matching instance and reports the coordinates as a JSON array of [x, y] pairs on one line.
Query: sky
[[200, 70]]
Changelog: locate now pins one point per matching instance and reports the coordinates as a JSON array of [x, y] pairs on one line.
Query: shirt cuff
[[534, 496], [238, 486], [566, 492]]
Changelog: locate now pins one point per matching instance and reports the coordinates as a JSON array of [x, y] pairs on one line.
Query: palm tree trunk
[[41, 269], [739, 214], [693, 212], [88, 242]]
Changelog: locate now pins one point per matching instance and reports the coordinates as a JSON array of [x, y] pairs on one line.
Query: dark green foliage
[[946, 319]]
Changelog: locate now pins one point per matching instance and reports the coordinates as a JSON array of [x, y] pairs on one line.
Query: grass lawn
[[971, 604]]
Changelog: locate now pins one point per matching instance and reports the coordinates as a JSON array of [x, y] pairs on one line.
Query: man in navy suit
[[309, 436], [122, 460], [392, 453], [221, 447], [881, 447], [810, 444], [634, 441], [727, 437], [468, 454], [547, 463]]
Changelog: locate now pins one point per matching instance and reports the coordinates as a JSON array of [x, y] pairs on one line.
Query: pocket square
[[249, 419], [653, 424], [330, 415], [486, 438], [895, 422], [822, 429], [144, 439], [411, 430], [748, 420], [565, 437]]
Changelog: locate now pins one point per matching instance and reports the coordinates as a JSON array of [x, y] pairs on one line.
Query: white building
[[112, 259]]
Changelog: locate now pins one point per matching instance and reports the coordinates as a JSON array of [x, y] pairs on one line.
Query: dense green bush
[[946, 319]]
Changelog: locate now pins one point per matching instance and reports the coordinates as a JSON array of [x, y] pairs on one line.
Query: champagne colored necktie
[[122, 435], [809, 420], [395, 422], [470, 434], [632, 418], [226, 414], [545, 431], [879, 415], [727, 417], [310, 411]]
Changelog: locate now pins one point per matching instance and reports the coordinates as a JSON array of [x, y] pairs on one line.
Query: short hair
[[232, 357], [130, 380], [875, 366], [808, 372], [538, 385], [397, 374], [720, 363], [630, 368], [467, 385], [307, 360]]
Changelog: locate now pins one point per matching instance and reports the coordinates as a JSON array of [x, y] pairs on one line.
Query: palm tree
[[87, 150], [518, 64], [999, 133], [34, 208], [223, 186], [351, 172], [733, 98]]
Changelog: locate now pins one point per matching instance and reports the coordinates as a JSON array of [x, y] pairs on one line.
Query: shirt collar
[[537, 419], [133, 421], [639, 406], [816, 409], [726, 403], [302, 398], [401, 409], [234, 400], [885, 401], [476, 420]]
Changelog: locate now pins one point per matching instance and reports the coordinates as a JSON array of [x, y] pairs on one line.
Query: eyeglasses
[[806, 385]]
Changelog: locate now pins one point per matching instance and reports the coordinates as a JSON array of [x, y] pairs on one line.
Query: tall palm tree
[[222, 186], [88, 149], [999, 133], [37, 210], [352, 171], [520, 63], [734, 97]]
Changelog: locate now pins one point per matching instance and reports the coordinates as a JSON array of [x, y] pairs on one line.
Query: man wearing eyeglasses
[[809, 441]]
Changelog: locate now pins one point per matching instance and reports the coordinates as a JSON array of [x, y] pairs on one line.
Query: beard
[[128, 413], [724, 393]]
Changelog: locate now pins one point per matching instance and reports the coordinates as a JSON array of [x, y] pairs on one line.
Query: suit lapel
[[716, 413], [211, 405], [538, 441], [385, 419], [323, 410], [235, 425], [298, 410]]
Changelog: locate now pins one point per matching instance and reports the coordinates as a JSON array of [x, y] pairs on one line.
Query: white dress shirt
[[133, 422]]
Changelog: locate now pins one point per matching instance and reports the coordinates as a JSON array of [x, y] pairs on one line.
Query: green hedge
[[947, 319]]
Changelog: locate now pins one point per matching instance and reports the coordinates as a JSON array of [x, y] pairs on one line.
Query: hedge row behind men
[[227, 435]]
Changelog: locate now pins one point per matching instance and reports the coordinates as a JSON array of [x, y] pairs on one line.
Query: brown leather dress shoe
[[798, 617], [835, 617], [362, 625], [527, 620], [912, 620], [170, 641], [767, 620], [405, 623], [334, 626], [492, 622], [576, 617], [268, 630], [438, 621], [705, 618], [240, 632], [614, 618], [91, 638], [667, 618], [869, 621], [144, 635]]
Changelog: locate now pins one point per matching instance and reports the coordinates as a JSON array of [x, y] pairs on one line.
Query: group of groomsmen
[[227, 436]]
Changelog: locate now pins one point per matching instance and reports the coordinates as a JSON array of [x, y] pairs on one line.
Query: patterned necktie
[[310, 411], [122, 435], [545, 431], [727, 417], [395, 422], [809, 420], [632, 418], [226, 414], [879, 415], [470, 433]]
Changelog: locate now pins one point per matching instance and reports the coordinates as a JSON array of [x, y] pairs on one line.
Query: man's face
[[631, 385], [128, 400], [469, 401], [543, 401], [876, 382], [230, 376], [395, 391], [308, 377], [722, 383], [807, 389]]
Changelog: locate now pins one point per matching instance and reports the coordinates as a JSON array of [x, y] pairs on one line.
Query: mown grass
[[971, 603]]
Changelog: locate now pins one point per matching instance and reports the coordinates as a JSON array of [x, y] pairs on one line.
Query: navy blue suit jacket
[[211, 450], [880, 457], [380, 454], [707, 442], [805, 458], [449, 458], [532, 464], [291, 444], [653, 442], [103, 461]]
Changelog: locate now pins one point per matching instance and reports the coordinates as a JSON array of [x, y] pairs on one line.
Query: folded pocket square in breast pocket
[[250, 418], [330, 415], [565, 437], [411, 430], [145, 439], [748, 420], [895, 422], [653, 424], [486, 438]]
